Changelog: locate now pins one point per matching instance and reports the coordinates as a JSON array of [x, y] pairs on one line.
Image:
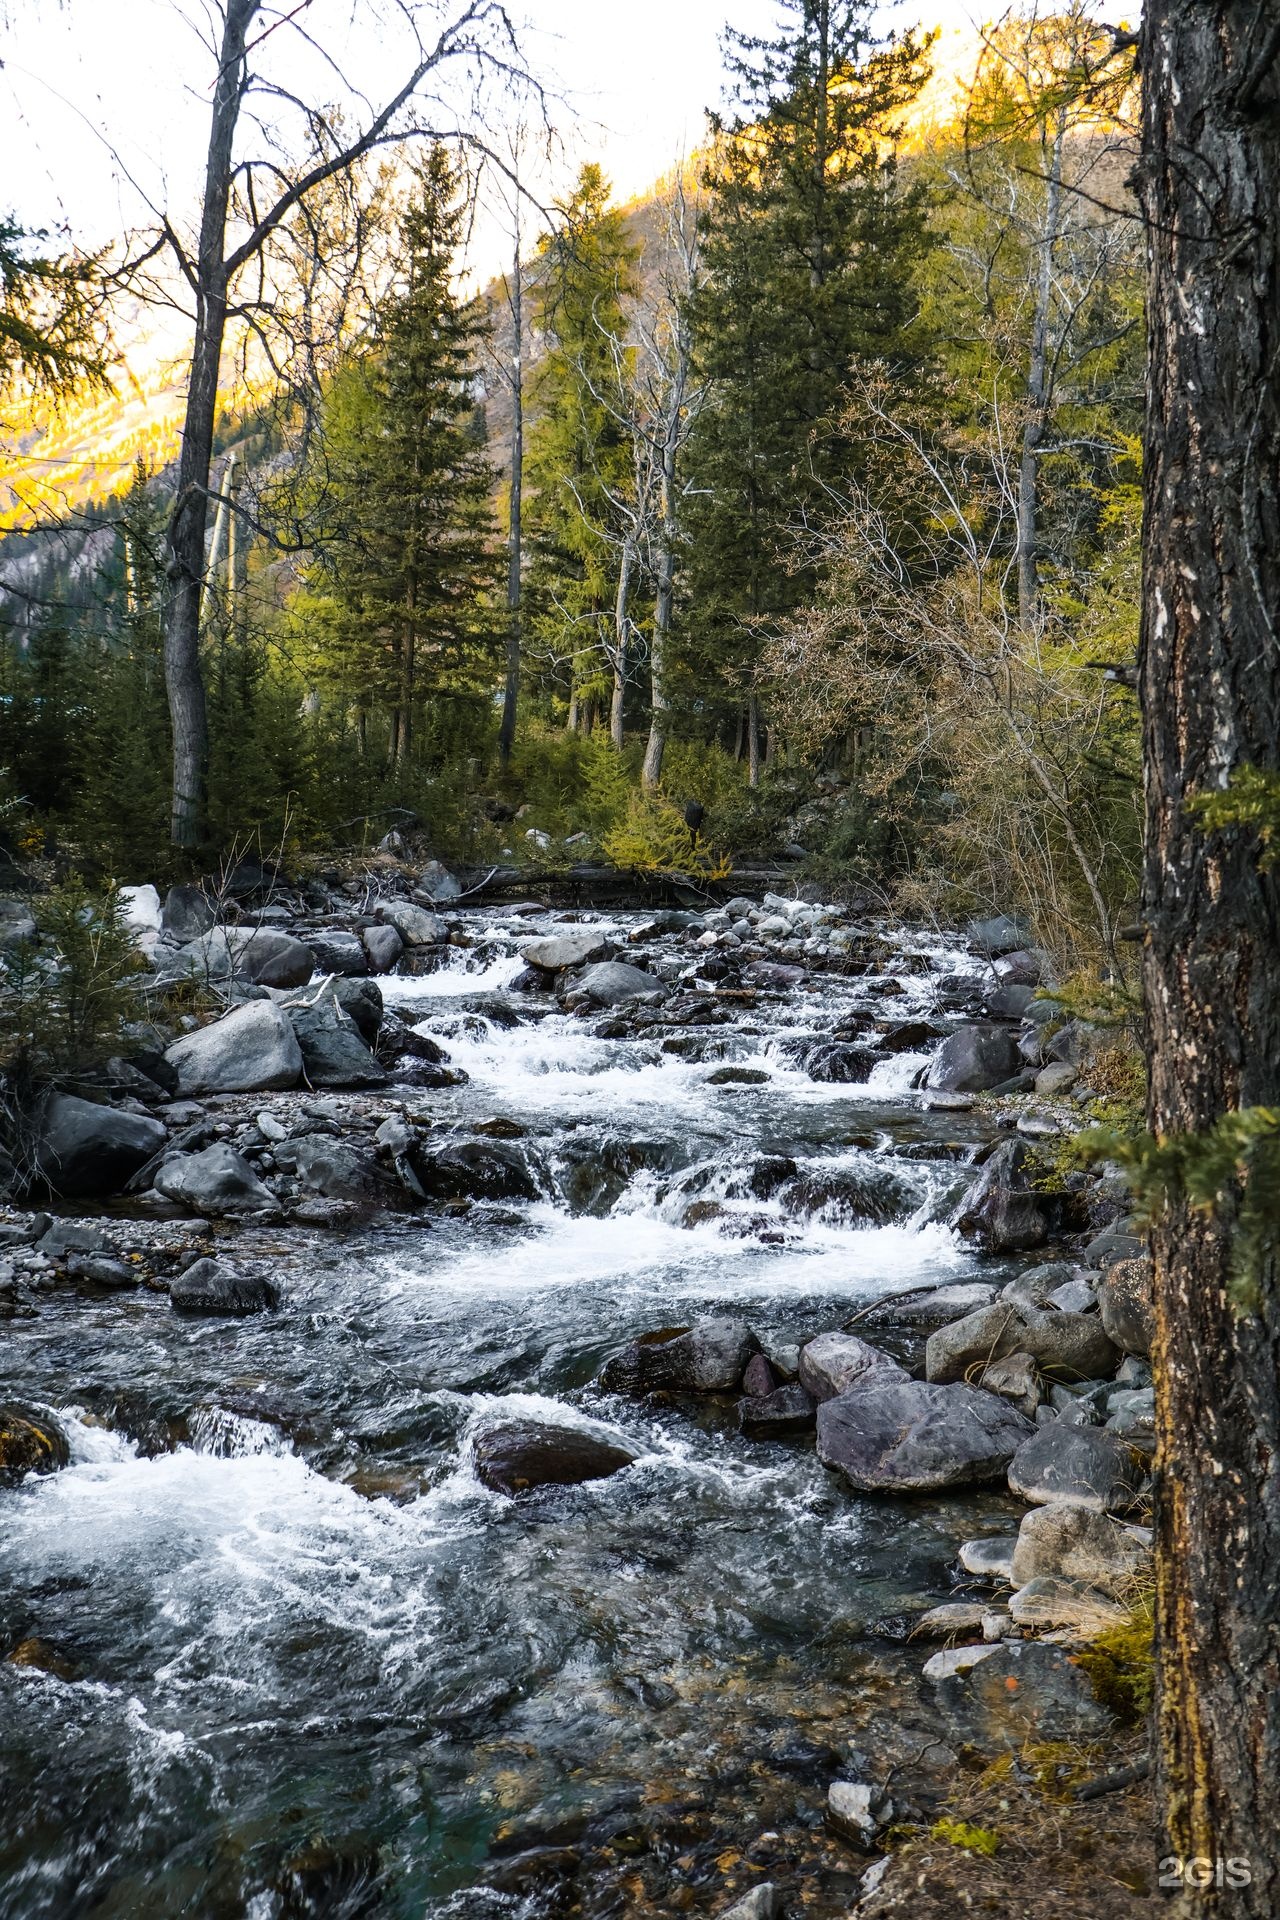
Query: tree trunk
[[753, 742], [621, 639], [1210, 684], [1038, 392], [511, 691], [184, 568], [656, 745]]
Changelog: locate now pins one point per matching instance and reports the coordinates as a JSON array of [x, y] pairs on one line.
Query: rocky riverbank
[[919, 1329]]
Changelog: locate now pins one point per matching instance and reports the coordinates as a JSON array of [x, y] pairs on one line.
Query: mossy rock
[[29, 1443]]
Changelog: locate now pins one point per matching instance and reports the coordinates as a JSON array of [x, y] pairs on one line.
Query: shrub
[[64, 1003]]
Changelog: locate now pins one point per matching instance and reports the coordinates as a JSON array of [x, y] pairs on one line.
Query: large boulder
[[474, 1170], [521, 1454], [30, 1442], [333, 1053], [361, 1001], [974, 1059], [1000, 1210], [711, 1356], [259, 956], [913, 1437], [217, 1181], [83, 1150], [336, 951], [837, 1362], [217, 1287], [968, 1346], [1083, 1466], [1073, 1543], [1069, 1346], [415, 925], [337, 1171], [251, 1049], [1126, 1305], [611, 983], [1020, 1691], [555, 951], [186, 914], [383, 946]]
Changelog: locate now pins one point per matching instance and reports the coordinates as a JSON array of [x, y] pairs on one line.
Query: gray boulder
[[611, 983], [709, 1357], [216, 1287], [1073, 1543], [257, 955], [474, 1170], [438, 883], [335, 951], [17, 923], [967, 1347], [336, 1171], [186, 914], [219, 1180], [556, 951], [333, 1053], [1083, 1466], [1003, 933], [1051, 1601], [782, 1410], [912, 1437], [1132, 1416], [519, 1455], [1017, 1380], [926, 1311], [837, 1362], [383, 946], [973, 1059], [1000, 1210], [83, 1150], [1069, 1346], [1126, 1305], [415, 925], [251, 1049], [764, 1902], [361, 1000], [1023, 1690]]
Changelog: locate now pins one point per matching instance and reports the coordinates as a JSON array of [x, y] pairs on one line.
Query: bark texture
[[1210, 687]]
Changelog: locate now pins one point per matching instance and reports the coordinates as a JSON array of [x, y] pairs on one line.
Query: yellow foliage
[[652, 837]]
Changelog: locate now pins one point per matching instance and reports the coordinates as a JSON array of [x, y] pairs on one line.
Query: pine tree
[[407, 553], [809, 253], [578, 453]]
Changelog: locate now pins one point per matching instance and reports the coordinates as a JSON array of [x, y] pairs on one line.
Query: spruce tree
[[407, 553], [579, 460], [809, 255]]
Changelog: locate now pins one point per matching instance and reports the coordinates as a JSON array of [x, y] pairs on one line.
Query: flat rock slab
[[835, 1363], [216, 1287], [914, 1437], [1020, 1690], [516, 1457], [560, 950]]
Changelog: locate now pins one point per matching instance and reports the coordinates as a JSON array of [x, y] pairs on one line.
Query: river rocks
[[913, 1437], [251, 1049], [1017, 1380], [1000, 1210], [1021, 1690], [335, 951], [337, 1171], [864, 1191], [474, 1170], [1057, 1078], [30, 1442], [415, 925], [82, 1150], [838, 1062], [988, 1559], [333, 1053], [974, 1059], [257, 955], [1072, 1543], [361, 1001], [783, 1410], [612, 983], [1068, 1346], [963, 1617], [709, 1357], [383, 946], [519, 1455], [217, 1287], [835, 1363], [1081, 1465], [1132, 1416], [968, 1346], [557, 951], [1126, 1306], [217, 1181]]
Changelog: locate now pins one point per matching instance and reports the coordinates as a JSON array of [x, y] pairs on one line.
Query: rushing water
[[315, 1667]]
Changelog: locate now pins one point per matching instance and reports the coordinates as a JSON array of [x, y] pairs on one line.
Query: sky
[[104, 103]]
